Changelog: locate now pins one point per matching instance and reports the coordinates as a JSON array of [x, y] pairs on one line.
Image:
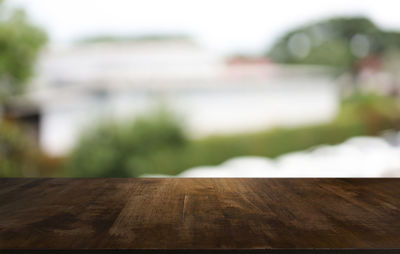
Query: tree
[[337, 42], [20, 42]]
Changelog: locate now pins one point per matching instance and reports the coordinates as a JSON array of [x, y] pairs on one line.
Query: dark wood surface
[[259, 214]]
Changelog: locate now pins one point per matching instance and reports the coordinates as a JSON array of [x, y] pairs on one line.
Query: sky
[[226, 26]]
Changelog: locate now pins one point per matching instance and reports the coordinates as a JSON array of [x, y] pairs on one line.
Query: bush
[[18, 154], [126, 149]]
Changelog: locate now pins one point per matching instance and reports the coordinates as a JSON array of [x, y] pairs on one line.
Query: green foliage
[[157, 144], [20, 155], [127, 149], [334, 42], [20, 42], [17, 152], [374, 112]]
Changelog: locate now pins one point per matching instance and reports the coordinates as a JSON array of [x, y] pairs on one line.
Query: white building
[[76, 86]]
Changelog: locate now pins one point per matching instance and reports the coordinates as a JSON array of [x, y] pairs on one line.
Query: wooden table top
[[245, 214]]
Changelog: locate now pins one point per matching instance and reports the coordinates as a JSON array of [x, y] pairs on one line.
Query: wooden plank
[[167, 215]]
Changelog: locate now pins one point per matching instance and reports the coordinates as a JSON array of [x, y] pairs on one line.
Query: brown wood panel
[[200, 214]]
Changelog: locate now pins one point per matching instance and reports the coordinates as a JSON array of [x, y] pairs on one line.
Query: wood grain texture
[[202, 214]]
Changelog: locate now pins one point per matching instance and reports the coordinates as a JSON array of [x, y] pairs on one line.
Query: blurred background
[[119, 88]]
